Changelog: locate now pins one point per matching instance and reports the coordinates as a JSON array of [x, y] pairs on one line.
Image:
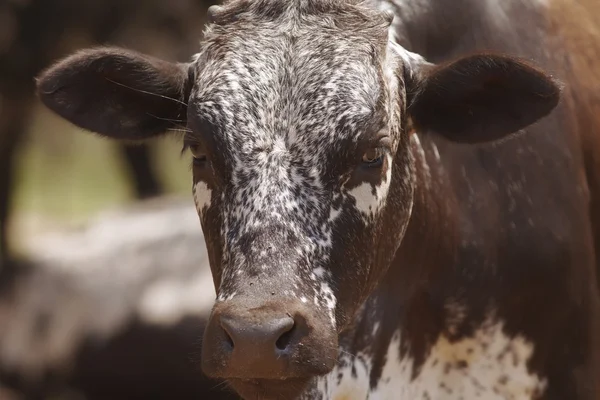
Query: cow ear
[[480, 98], [117, 93]]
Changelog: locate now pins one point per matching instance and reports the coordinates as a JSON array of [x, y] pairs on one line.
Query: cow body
[[373, 229]]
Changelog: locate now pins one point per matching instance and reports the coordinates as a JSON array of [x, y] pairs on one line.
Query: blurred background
[[59, 175], [101, 296]]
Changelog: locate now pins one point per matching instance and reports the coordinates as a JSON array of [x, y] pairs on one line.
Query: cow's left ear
[[117, 93], [480, 98]]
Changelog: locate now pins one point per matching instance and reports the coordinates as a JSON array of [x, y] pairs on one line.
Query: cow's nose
[[278, 339], [256, 343], [270, 338]]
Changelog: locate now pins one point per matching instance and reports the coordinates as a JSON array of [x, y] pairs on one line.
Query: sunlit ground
[[66, 175]]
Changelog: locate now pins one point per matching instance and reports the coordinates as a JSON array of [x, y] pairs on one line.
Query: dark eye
[[198, 153], [373, 158]]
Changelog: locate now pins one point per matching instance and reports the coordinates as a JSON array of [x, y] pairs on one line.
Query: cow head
[[297, 117]]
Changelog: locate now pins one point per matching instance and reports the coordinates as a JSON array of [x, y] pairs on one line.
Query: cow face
[[297, 119]]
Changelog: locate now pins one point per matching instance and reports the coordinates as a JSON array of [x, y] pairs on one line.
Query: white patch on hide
[[202, 197], [333, 214], [487, 366], [490, 365], [351, 381], [370, 200], [365, 198]]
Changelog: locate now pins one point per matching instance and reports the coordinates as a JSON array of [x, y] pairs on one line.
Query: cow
[[76, 324], [399, 198]]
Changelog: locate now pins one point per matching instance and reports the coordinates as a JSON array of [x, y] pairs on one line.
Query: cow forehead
[[295, 70], [295, 88]]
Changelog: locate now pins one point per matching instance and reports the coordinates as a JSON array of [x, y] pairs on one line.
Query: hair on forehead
[[291, 62], [355, 13]]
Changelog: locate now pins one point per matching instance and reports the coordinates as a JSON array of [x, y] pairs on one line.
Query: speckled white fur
[[277, 152]]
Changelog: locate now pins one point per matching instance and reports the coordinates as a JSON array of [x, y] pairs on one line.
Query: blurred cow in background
[[111, 311], [33, 33]]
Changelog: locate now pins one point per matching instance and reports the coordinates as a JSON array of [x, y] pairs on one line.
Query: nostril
[[228, 340], [228, 335], [284, 340]]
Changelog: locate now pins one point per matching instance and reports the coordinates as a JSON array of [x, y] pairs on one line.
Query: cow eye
[[373, 158], [198, 153]]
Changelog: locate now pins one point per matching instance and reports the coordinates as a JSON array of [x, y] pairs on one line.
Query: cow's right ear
[[480, 98], [117, 93]]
